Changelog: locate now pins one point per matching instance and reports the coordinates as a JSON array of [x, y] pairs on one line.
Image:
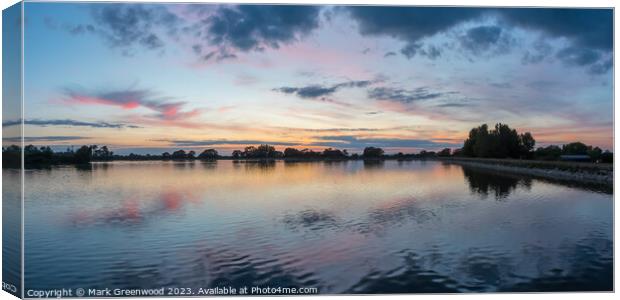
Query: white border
[[531, 3]]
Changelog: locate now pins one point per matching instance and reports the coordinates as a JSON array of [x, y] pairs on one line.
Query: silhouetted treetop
[[499, 142]]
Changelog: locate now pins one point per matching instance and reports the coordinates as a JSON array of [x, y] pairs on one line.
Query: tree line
[[504, 142], [44, 155], [500, 141]]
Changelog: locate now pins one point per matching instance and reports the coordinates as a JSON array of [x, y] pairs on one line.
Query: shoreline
[[582, 172], [554, 170]]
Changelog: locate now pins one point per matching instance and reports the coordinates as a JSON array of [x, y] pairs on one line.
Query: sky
[[151, 78]]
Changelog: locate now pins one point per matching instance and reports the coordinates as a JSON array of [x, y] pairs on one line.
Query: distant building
[[575, 157]]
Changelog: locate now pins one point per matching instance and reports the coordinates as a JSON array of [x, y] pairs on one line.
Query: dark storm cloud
[[125, 25], [414, 49], [586, 27], [596, 60], [481, 38], [402, 95], [539, 51], [229, 28], [602, 67], [578, 56], [252, 27], [592, 28], [68, 122], [409, 24], [316, 91]]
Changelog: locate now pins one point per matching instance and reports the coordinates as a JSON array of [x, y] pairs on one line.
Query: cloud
[[585, 29], [68, 122], [317, 91], [126, 25], [311, 91], [591, 28], [341, 129], [576, 56], [602, 66], [339, 141], [414, 49], [254, 27], [79, 29], [402, 95], [221, 32], [55, 138], [501, 85], [165, 107], [537, 52], [482, 38], [453, 104], [409, 24], [596, 60], [351, 141], [388, 54], [211, 32], [199, 143]]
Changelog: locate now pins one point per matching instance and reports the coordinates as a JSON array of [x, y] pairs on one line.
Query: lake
[[341, 227]]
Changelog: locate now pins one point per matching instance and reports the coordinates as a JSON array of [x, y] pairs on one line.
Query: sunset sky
[[151, 78]]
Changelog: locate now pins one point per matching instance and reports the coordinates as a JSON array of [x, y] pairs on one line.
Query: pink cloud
[[167, 111]]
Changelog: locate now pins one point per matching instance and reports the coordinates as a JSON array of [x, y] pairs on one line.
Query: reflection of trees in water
[[84, 167], [371, 164], [256, 165], [190, 164], [498, 184], [209, 164]]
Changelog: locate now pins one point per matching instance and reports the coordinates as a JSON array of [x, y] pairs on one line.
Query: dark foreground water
[[348, 227]]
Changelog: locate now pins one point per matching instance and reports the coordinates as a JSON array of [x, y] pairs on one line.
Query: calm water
[[348, 227]]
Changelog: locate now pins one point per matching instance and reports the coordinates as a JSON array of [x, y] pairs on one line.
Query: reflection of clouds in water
[[478, 270], [311, 220], [499, 184], [213, 266], [409, 277], [131, 210], [332, 234], [398, 211], [376, 219]]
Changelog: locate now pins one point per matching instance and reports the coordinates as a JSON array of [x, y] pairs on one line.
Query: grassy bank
[[598, 173]]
